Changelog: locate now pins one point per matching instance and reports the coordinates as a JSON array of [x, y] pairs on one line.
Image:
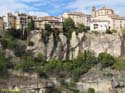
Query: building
[[1, 24], [21, 20], [99, 25], [78, 18], [106, 17], [9, 21], [54, 22]]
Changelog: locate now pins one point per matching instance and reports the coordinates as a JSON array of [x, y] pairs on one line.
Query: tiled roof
[[76, 13]]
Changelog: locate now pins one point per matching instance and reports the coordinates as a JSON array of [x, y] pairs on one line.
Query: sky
[[58, 7]]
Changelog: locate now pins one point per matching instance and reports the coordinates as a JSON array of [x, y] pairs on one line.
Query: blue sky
[[58, 7]]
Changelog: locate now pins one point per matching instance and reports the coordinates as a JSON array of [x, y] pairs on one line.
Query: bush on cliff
[[91, 90], [106, 60], [14, 33], [82, 28], [4, 65], [119, 64], [68, 24]]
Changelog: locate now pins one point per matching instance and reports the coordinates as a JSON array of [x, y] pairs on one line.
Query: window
[[95, 26]]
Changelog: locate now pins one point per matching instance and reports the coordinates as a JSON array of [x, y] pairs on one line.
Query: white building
[[97, 25], [103, 15]]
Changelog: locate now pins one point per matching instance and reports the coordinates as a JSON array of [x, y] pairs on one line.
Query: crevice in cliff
[[68, 35], [122, 38], [56, 39], [45, 38], [81, 43]]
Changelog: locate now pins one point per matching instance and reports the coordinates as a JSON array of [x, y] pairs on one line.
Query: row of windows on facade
[[96, 26], [103, 13]]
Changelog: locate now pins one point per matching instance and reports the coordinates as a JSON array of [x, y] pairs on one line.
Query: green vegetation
[[31, 25], [119, 64], [4, 64], [68, 68], [14, 33], [30, 43], [48, 28], [106, 59], [108, 31], [91, 90], [82, 28], [26, 66], [68, 24]]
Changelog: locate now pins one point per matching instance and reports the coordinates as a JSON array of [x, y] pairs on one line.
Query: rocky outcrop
[[103, 82], [97, 43]]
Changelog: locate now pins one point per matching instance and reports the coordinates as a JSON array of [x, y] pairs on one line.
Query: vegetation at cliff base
[[67, 68], [4, 65]]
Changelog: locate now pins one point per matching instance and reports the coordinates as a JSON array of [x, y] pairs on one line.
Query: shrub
[[81, 28], [31, 43], [4, 43], [108, 31], [39, 60], [68, 24], [20, 50], [91, 90], [4, 63], [14, 33], [119, 64], [48, 28], [106, 60], [87, 28], [26, 66]]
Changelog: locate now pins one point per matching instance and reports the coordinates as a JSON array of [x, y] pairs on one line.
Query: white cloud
[[39, 14], [14, 6]]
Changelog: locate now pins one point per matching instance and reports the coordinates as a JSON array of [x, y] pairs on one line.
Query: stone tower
[[93, 11]]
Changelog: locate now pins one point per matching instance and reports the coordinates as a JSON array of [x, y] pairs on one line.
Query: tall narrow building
[[93, 11]]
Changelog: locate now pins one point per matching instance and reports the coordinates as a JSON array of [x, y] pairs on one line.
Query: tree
[[14, 33], [81, 28], [48, 28], [91, 90], [31, 25], [68, 24]]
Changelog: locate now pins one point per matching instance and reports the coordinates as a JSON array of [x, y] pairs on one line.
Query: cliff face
[[61, 49], [108, 81]]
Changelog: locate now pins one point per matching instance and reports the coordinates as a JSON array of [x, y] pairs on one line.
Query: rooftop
[[76, 13]]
